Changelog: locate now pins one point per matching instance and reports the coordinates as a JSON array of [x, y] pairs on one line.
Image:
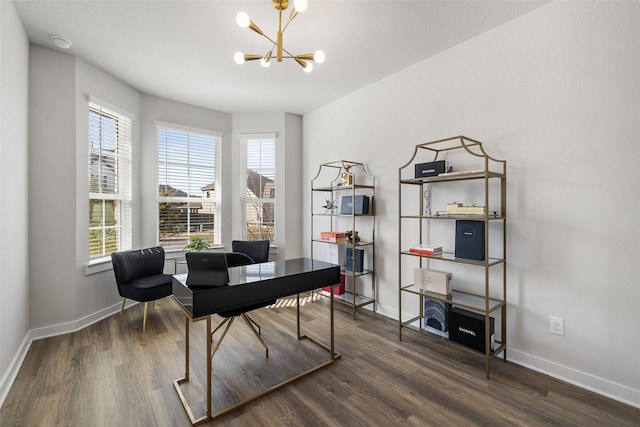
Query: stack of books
[[426, 250], [332, 236]]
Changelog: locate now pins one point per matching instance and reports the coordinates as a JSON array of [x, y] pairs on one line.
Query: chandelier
[[280, 52]]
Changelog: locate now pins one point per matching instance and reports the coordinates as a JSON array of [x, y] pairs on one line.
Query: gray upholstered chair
[[235, 259], [257, 250], [139, 276]]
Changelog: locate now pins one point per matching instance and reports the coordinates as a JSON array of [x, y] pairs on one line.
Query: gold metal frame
[[493, 169], [280, 6], [333, 356]]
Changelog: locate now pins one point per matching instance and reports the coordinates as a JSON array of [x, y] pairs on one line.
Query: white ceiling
[[183, 50]]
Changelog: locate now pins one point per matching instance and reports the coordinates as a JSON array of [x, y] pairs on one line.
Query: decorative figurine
[[330, 205], [427, 201], [351, 237], [345, 177]]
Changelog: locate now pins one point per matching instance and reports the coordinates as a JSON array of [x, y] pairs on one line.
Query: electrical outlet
[[556, 325]]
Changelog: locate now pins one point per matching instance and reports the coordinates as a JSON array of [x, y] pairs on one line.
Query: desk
[[248, 285]]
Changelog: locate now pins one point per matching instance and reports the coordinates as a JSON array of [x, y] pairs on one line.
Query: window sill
[[98, 266]]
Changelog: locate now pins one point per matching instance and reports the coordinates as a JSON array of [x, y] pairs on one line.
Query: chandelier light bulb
[[300, 5], [239, 58], [265, 61], [308, 68], [319, 56], [243, 19]]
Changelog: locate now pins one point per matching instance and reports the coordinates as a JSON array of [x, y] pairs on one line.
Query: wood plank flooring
[[113, 374]]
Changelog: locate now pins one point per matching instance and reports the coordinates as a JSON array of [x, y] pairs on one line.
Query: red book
[[425, 250]]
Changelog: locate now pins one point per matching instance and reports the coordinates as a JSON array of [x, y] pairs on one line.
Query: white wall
[[14, 234], [288, 128], [62, 296], [52, 198], [96, 294], [555, 93], [60, 87]]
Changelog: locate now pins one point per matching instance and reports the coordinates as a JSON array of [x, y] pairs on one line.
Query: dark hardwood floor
[[113, 374]]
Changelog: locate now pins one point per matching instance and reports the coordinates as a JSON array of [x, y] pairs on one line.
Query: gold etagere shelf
[[332, 183], [485, 292]]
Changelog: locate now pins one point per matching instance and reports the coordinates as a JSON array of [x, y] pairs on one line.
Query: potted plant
[[196, 243]]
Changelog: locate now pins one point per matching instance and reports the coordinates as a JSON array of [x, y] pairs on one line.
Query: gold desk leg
[[209, 416], [333, 357], [298, 315], [332, 324], [209, 373], [185, 379]]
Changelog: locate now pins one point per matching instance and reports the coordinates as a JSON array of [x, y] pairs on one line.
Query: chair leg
[[153, 305], [122, 307], [254, 322], [220, 325], [229, 322], [144, 317], [253, 329]]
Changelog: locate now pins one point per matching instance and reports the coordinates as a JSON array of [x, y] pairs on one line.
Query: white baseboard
[[76, 325], [50, 331], [10, 375], [581, 379]]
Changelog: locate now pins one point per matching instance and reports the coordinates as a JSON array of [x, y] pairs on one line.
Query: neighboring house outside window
[[259, 186], [109, 181], [188, 198]]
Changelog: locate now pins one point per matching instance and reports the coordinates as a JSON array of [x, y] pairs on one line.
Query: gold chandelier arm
[[255, 28], [288, 53], [307, 56], [302, 63], [251, 57], [269, 38], [294, 13]]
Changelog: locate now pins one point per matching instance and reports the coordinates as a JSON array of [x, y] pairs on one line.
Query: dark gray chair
[[139, 276], [235, 259], [257, 250]]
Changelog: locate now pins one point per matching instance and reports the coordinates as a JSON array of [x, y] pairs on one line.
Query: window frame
[[244, 198], [189, 199], [123, 178]]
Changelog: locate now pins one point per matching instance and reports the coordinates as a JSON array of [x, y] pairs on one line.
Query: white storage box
[[432, 280]]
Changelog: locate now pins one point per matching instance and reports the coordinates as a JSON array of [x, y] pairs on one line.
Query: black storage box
[[361, 205], [358, 260], [467, 328], [430, 168], [436, 314], [470, 240]]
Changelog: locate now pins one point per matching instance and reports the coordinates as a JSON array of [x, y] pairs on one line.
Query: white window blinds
[[110, 135], [259, 186], [188, 186]]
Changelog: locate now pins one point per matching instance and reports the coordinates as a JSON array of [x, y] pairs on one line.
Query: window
[[188, 194], [109, 181], [259, 186]]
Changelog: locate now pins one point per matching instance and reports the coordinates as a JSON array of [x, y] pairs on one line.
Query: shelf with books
[[343, 228], [451, 257], [473, 254]]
